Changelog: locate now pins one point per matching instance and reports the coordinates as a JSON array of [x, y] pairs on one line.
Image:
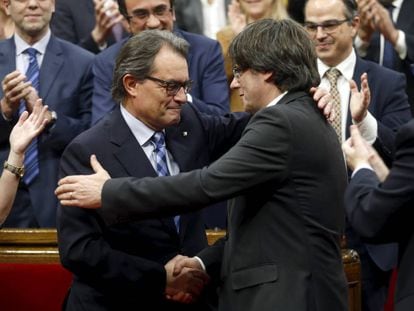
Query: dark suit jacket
[[287, 174], [389, 104], [385, 211], [405, 22], [189, 15], [66, 87], [121, 267], [74, 21], [206, 69]]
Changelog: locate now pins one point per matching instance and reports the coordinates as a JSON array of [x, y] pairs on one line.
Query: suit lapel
[[51, 65], [131, 156], [7, 57]]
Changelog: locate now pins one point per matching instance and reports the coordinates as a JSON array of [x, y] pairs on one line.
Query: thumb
[[96, 166]]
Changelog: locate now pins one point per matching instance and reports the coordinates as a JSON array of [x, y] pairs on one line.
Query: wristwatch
[[18, 171]]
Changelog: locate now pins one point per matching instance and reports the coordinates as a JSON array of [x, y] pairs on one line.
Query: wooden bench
[[33, 279]]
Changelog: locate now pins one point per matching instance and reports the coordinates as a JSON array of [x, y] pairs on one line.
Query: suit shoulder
[[378, 71], [72, 50], [196, 40]]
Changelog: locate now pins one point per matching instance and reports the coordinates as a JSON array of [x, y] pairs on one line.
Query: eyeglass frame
[[237, 72], [145, 14], [335, 23], [170, 85]]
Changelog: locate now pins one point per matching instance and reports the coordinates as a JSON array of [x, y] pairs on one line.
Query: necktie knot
[[32, 52], [159, 140], [332, 75]]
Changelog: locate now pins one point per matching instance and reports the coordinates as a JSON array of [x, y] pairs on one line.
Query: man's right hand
[[105, 18], [15, 88]]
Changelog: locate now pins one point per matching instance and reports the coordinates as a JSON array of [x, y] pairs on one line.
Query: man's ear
[[130, 84]]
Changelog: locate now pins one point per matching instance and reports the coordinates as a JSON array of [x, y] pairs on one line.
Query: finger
[[23, 117], [353, 86], [96, 166]]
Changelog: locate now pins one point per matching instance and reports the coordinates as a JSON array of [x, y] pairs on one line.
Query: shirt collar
[[40, 45], [276, 100], [141, 132], [397, 3], [346, 67]]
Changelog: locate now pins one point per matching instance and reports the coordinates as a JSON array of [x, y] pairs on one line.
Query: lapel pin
[[185, 133]]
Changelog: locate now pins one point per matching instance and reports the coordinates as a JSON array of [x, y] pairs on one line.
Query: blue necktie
[[160, 151], [389, 54], [31, 161]]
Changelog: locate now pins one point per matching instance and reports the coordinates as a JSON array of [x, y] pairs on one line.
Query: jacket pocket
[[254, 276]]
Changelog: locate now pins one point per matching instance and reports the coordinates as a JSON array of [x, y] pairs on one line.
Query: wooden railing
[[39, 246]]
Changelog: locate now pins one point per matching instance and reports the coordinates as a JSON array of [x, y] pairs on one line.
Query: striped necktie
[[31, 160], [388, 53], [160, 151]]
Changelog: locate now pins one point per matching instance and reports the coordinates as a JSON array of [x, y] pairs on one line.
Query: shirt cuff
[[360, 167], [189, 98], [401, 45], [368, 128], [201, 263]]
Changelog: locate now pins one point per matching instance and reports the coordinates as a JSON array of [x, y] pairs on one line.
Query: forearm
[[9, 183]]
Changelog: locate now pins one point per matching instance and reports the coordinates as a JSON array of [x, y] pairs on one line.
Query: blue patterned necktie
[[31, 161], [389, 53], [160, 151]]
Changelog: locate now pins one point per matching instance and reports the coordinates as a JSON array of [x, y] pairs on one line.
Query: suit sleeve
[[392, 115], [251, 162], [86, 252], [380, 210]]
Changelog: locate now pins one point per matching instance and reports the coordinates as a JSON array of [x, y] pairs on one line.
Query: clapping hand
[[28, 127]]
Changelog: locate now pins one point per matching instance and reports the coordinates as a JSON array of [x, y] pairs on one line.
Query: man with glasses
[[210, 90], [286, 175], [121, 267], [333, 25]]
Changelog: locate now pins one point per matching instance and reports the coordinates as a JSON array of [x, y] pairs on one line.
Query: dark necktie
[[31, 161], [158, 140], [389, 53], [332, 75]]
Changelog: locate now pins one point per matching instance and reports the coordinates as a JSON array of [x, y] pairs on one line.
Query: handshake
[[186, 279]]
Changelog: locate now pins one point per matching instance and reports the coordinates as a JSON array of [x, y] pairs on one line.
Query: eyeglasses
[[327, 26], [160, 12], [237, 72], [172, 87]]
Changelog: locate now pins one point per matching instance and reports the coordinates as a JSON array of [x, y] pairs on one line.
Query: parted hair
[[282, 47], [137, 56]]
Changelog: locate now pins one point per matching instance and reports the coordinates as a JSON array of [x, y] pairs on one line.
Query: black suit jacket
[[384, 211], [288, 176], [121, 267], [405, 22]]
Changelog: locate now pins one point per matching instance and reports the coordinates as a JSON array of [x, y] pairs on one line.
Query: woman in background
[[28, 127], [241, 13]]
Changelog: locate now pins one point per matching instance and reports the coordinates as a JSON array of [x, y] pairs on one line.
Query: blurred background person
[[6, 23], [386, 36], [379, 202], [240, 14], [35, 64], [21, 136], [205, 17], [91, 24]]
